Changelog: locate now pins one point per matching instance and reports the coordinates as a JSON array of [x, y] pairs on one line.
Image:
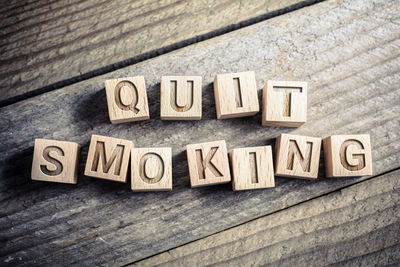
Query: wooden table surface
[[54, 59]]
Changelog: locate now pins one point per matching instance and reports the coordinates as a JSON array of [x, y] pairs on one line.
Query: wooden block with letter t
[[127, 99], [347, 155], [252, 168], [297, 156], [284, 103], [180, 98], [55, 161], [151, 169], [236, 95], [208, 163], [108, 158]]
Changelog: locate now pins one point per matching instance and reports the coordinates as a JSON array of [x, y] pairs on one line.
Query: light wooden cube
[[151, 169], [55, 161], [252, 168], [208, 163], [127, 99], [297, 156], [347, 155], [108, 158], [236, 95], [284, 103], [180, 98]]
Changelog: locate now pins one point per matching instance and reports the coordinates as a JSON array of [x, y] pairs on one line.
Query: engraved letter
[[151, 168], [304, 159], [58, 165], [238, 93], [116, 157], [123, 101], [352, 155], [182, 101], [288, 98], [202, 165], [253, 167]]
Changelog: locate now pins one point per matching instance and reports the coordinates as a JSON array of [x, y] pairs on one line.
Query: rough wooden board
[[341, 227], [347, 50], [42, 44]]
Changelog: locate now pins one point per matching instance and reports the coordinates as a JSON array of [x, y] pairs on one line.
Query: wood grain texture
[[347, 51], [355, 226], [43, 43]]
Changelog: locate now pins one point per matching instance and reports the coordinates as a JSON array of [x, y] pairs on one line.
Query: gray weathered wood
[[44, 43], [349, 53], [356, 226]]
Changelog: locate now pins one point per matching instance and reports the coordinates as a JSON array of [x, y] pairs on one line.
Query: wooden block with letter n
[[180, 98], [252, 168], [236, 95], [151, 169], [108, 158], [347, 155], [297, 156], [208, 163], [127, 99], [284, 103], [55, 161]]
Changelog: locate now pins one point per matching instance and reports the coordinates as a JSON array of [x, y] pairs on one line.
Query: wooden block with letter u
[[127, 99], [108, 158], [55, 161]]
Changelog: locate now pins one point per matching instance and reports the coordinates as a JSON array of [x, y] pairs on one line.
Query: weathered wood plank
[[355, 226], [349, 53], [44, 43]]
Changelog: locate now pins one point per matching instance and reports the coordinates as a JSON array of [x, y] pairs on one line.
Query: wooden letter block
[[284, 103], [127, 99], [55, 161], [347, 155], [108, 158], [252, 168], [180, 98], [297, 156], [236, 95], [208, 163], [151, 169]]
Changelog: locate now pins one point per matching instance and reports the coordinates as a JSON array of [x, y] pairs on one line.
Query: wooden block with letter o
[[180, 98], [55, 161], [284, 103], [127, 99], [347, 155], [208, 163], [236, 95], [151, 169], [252, 168], [108, 158], [297, 156]]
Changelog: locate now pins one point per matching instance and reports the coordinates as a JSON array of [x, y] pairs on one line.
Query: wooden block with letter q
[[252, 168], [297, 156], [347, 155], [108, 158], [208, 163], [127, 99], [55, 161]]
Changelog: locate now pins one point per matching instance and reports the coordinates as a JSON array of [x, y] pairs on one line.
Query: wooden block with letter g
[[297, 156], [55, 161], [151, 169], [284, 103], [108, 158], [127, 99], [180, 98], [252, 168], [347, 155], [208, 163], [236, 95]]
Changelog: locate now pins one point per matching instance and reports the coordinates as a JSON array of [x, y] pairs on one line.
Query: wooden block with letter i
[[151, 169], [252, 168], [127, 99], [347, 155], [236, 95], [284, 103], [108, 158], [297, 156], [55, 161], [180, 98], [208, 163]]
